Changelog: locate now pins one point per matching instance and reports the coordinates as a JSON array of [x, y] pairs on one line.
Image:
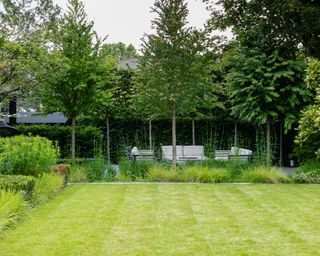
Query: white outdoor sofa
[[184, 153], [235, 153]]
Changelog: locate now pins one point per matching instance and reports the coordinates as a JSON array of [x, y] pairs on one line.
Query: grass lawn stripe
[[68, 228], [153, 219], [305, 220], [228, 236], [289, 239], [136, 227], [177, 225]]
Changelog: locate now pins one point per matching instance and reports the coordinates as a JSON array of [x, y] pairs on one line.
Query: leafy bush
[[262, 174], [78, 174], [309, 172], [309, 166], [89, 138], [237, 167], [18, 183], [308, 177], [47, 185], [217, 164], [94, 168], [24, 155], [12, 205], [204, 175], [161, 174], [134, 170]]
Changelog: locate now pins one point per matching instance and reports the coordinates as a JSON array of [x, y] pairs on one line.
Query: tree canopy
[[73, 67], [173, 75]]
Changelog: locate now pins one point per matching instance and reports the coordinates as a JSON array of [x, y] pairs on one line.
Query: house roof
[[128, 63], [39, 118]]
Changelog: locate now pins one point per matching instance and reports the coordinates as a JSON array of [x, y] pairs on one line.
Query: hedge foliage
[[88, 138]]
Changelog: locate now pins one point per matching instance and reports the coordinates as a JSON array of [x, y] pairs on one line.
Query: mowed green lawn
[[175, 219]]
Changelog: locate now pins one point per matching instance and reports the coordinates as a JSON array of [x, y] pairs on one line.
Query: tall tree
[[73, 68], [291, 22], [113, 97], [172, 71], [22, 32], [266, 88], [307, 141]]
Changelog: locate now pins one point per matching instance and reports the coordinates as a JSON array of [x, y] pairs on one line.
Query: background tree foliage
[[73, 67], [308, 138], [172, 73], [23, 26], [287, 23]]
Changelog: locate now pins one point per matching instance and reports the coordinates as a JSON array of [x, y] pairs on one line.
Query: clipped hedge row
[[88, 138]]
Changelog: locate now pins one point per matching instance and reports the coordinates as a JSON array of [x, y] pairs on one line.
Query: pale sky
[[127, 20]]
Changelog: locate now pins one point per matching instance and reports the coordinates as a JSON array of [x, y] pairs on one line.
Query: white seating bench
[[146, 155], [235, 153], [221, 155], [184, 153]]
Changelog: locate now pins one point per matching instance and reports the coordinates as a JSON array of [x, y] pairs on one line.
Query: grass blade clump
[[162, 174], [204, 174], [47, 185], [12, 205], [263, 174]]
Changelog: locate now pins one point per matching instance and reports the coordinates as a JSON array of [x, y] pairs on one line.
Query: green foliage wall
[[213, 135], [89, 139]]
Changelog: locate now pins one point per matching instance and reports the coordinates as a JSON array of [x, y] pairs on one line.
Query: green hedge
[[88, 138]]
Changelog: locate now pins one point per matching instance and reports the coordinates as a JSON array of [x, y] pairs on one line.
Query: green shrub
[[262, 174], [47, 185], [161, 174], [237, 167], [134, 169], [204, 175], [12, 205], [307, 177], [94, 168], [309, 172], [89, 138], [24, 155], [217, 164], [110, 173], [78, 174], [309, 166], [123, 178], [18, 183]]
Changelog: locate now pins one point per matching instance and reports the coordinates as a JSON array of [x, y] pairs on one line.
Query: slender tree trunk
[[150, 134], [193, 132], [73, 139], [108, 139], [13, 110], [268, 143], [174, 139], [235, 134], [281, 144]]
